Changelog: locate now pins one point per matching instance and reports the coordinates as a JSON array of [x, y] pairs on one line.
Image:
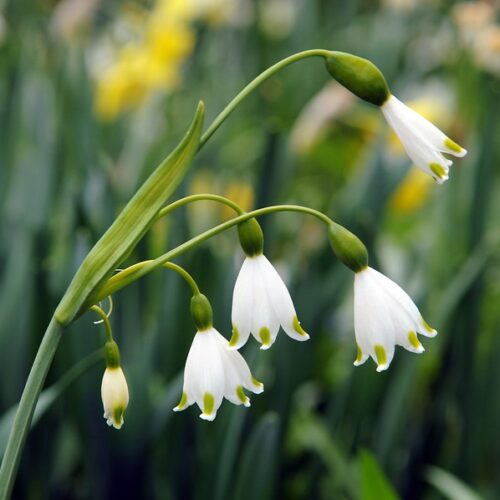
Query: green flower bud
[[358, 75], [348, 247], [251, 237], [201, 311], [111, 354]]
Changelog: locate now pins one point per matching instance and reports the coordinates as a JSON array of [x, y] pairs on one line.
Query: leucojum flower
[[261, 301], [212, 371], [114, 389], [384, 314], [423, 141]]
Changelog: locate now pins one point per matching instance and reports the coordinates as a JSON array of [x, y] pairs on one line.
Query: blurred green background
[[93, 94]]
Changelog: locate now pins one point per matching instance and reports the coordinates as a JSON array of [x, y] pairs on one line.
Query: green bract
[[129, 227], [251, 237], [201, 311], [111, 354], [358, 75], [348, 247]]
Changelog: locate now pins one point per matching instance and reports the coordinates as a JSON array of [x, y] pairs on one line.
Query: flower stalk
[[94, 280], [26, 407]]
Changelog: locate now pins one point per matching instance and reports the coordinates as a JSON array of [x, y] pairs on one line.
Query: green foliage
[[65, 175], [374, 484]]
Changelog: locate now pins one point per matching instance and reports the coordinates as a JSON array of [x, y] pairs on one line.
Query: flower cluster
[[261, 304], [384, 315]]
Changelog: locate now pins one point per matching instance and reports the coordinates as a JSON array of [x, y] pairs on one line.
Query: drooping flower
[[213, 372], [114, 393], [423, 141], [384, 316], [261, 303]]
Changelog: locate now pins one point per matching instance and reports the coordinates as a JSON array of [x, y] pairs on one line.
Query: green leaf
[[47, 397], [259, 463], [449, 486], [374, 483], [129, 227]]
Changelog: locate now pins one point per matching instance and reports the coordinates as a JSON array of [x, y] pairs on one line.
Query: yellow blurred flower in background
[[209, 213], [412, 193], [241, 193], [153, 60]]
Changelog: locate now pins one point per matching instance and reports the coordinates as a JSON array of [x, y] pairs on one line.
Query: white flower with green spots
[[114, 393], [261, 303], [384, 316], [212, 373], [423, 141]]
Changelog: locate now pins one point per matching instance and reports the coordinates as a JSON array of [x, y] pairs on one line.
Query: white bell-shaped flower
[[114, 393], [423, 141], [384, 316], [213, 372], [261, 303]]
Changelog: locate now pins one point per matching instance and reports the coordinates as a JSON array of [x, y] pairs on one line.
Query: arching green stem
[[180, 270], [199, 197], [105, 320], [130, 271], [254, 84], [136, 271]]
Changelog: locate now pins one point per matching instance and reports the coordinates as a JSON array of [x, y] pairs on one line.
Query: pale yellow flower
[[412, 193], [241, 193]]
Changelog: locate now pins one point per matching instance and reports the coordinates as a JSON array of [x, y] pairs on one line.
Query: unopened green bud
[[358, 75], [201, 311], [111, 354], [251, 237], [348, 247]]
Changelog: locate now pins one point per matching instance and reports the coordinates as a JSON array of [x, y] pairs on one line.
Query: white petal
[[243, 304], [422, 140], [115, 396], [204, 372], [373, 324], [265, 323], [280, 300], [384, 316], [428, 131], [185, 402], [237, 375], [243, 374], [401, 298]]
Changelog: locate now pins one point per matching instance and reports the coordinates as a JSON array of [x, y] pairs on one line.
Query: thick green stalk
[[26, 407]]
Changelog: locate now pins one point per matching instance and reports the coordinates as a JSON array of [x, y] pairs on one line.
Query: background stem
[[26, 407]]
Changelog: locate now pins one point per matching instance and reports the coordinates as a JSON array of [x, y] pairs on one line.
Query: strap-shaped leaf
[[129, 227]]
